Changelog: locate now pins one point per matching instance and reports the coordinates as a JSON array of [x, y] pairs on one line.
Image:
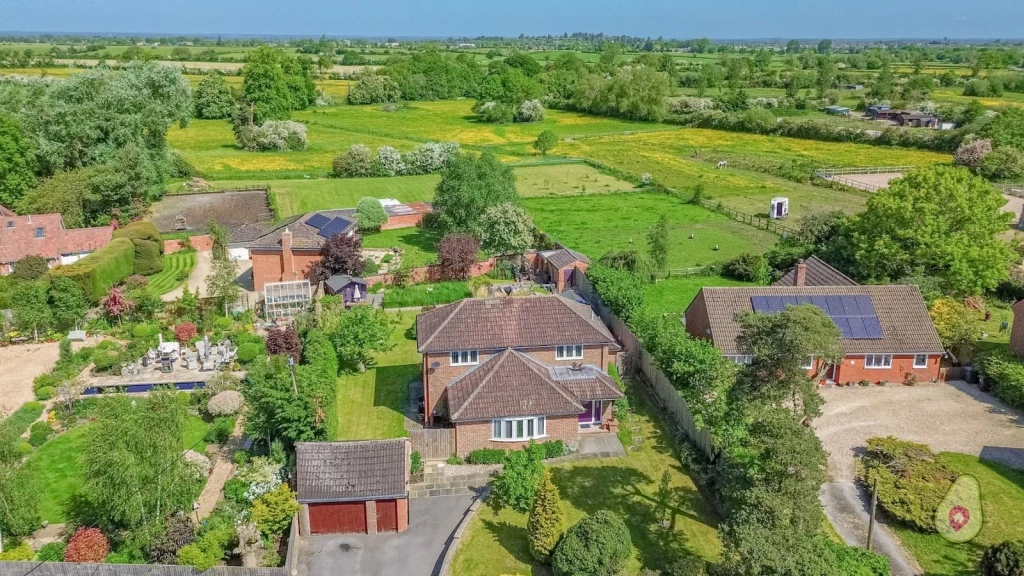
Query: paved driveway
[[953, 417], [415, 552]]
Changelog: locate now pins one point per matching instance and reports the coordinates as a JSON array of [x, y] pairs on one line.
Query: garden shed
[[353, 487], [351, 288]]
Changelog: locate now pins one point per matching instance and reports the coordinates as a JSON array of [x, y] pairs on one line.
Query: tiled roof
[[519, 322], [906, 326], [304, 236], [507, 385], [563, 257], [6, 211], [18, 237], [361, 470], [339, 281], [819, 273]]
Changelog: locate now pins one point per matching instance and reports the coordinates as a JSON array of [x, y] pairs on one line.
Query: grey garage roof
[[361, 470]]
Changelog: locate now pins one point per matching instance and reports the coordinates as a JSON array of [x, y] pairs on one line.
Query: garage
[[353, 487]]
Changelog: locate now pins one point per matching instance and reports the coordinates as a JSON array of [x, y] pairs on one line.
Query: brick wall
[[403, 514], [696, 316], [201, 243], [267, 266], [371, 516], [471, 436], [438, 379], [430, 273], [406, 221], [852, 370]]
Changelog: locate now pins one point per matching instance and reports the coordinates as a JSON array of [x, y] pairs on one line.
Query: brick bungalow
[[360, 486], [887, 332], [507, 370], [45, 235]]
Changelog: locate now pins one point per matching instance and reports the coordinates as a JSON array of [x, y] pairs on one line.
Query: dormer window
[[40, 232], [465, 358], [571, 352]]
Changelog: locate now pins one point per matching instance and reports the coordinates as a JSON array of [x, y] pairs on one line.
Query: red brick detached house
[[508, 370], [45, 235], [887, 332], [360, 486]]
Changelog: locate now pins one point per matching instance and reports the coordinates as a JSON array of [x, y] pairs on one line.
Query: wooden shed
[[353, 487]]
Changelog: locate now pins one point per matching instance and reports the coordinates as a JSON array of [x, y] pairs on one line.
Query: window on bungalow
[[878, 361], [512, 429]]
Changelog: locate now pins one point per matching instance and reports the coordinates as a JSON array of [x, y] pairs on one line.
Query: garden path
[[223, 469]]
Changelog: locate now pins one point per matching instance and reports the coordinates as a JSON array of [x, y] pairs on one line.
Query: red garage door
[[337, 517], [387, 516]]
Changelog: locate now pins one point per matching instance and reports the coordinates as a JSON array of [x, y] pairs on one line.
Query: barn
[[353, 487]]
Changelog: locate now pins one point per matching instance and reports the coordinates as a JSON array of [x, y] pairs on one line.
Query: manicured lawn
[[372, 404], [673, 295], [495, 542], [57, 468], [419, 244], [595, 224], [177, 265], [1002, 495]]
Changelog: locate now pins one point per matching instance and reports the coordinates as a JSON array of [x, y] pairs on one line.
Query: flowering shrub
[[262, 474], [87, 545], [972, 154], [323, 99], [687, 104], [765, 102], [226, 403], [184, 332], [354, 163], [389, 162], [430, 157], [198, 464], [530, 111], [273, 135], [285, 342]]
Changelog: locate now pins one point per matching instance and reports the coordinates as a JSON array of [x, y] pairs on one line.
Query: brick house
[[287, 251], [887, 332], [507, 370], [814, 272], [360, 486], [45, 235], [558, 266]]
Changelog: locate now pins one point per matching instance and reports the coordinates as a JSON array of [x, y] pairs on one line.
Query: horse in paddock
[[723, 164]]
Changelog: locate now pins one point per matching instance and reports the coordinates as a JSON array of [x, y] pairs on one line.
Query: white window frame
[[922, 365], [464, 358], [809, 364], [878, 361], [569, 352], [740, 358], [518, 429]]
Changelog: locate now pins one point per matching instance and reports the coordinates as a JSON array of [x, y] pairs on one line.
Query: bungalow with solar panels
[[287, 252], [887, 334]]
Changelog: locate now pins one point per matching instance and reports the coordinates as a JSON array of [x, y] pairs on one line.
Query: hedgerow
[[98, 272]]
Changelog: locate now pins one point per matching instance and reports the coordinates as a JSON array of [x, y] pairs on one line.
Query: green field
[[495, 543], [372, 404], [1002, 493], [673, 295], [175, 265], [595, 224]]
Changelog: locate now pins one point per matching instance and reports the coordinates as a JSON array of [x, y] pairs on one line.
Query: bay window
[[512, 429]]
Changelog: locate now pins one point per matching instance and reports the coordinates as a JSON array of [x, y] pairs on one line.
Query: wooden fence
[[640, 362], [751, 219], [830, 172], [1011, 189], [433, 443]]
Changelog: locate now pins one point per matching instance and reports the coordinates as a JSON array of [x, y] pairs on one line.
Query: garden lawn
[[1002, 495], [496, 542], [372, 404], [57, 468], [419, 245], [426, 294], [595, 224], [177, 267], [673, 295]]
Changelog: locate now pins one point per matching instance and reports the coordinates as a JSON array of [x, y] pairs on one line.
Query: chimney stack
[[287, 259], [801, 273]]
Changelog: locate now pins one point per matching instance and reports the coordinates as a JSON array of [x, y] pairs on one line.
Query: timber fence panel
[[433, 443]]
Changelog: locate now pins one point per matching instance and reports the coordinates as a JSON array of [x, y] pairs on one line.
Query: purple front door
[[591, 413]]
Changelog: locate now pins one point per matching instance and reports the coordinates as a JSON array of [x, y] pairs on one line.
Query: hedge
[[911, 482], [98, 272], [149, 246], [1004, 374]]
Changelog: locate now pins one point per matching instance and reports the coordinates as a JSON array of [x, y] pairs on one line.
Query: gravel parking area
[[949, 417], [20, 365]]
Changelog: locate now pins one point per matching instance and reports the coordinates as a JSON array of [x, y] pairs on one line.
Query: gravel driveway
[[20, 365], [949, 417]]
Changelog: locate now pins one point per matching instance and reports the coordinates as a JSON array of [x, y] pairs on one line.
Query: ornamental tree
[[184, 332], [370, 214], [116, 303], [506, 229], [597, 544], [937, 221], [358, 331], [544, 526], [957, 326], [273, 511], [456, 253], [341, 254], [517, 483], [87, 545], [285, 342]]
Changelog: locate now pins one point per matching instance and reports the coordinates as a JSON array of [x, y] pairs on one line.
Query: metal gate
[[433, 443], [387, 515], [337, 518]]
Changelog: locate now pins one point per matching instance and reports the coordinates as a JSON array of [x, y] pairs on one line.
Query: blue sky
[[669, 18]]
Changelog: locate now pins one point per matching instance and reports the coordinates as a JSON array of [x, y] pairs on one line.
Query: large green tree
[[506, 229], [1007, 128], [937, 221], [469, 186], [17, 162], [265, 89], [357, 332], [280, 409], [213, 97], [64, 193]]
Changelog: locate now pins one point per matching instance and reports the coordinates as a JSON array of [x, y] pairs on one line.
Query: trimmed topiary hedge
[[486, 456], [98, 272], [149, 246], [597, 544]]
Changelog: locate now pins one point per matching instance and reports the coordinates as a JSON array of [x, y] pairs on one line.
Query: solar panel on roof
[[335, 226], [318, 220], [854, 315]]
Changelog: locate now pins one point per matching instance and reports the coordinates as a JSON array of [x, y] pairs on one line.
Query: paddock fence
[[829, 173], [212, 190], [639, 362], [433, 443], [760, 222]]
